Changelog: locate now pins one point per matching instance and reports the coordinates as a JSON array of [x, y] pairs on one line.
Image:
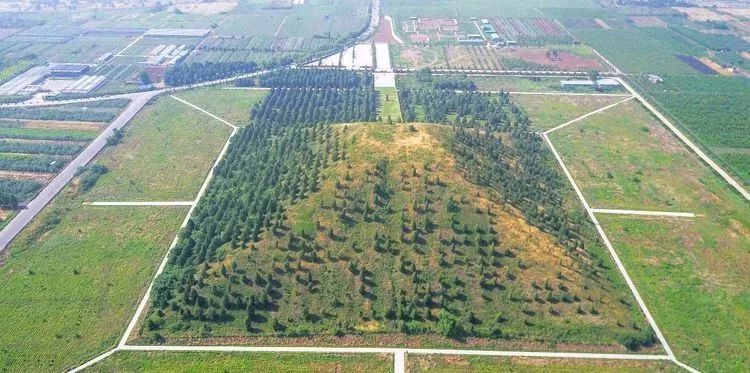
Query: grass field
[[200, 362], [530, 84], [546, 112], [691, 272], [232, 105], [712, 110], [321, 296], [73, 278], [166, 154], [693, 275], [485, 364], [624, 158], [388, 105]]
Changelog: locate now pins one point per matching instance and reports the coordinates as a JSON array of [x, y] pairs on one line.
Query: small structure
[[655, 79], [605, 82], [85, 84], [105, 57], [68, 70], [186, 32]]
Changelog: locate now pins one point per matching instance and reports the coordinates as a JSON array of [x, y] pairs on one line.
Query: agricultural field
[[500, 58], [33, 150], [478, 8], [77, 305], [232, 105], [547, 112], [624, 159], [165, 155], [477, 364], [711, 109], [531, 84], [199, 362]]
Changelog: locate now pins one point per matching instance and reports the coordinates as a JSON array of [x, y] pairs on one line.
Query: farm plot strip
[[645, 213], [587, 115], [156, 203]]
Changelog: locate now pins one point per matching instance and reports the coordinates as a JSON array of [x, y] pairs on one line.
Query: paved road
[[58, 183], [645, 213]]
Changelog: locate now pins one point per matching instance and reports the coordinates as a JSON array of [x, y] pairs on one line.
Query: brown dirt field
[[21, 175], [740, 12], [565, 60], [603, 24], [206, 8], [384, 34], [648, 21], [703, 14], [63, 125], [715, 66]]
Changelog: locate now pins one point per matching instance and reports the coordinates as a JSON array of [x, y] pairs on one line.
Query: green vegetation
[[484, 364], [50, 148], [46, 134], [692, 274], [232, 105], [32, 163], [647, 50], [690, 271], [712, 110], [389, 110], [546, 112], [166, 153], [73, 278], [208, 362], [98, 111], [423, 225]]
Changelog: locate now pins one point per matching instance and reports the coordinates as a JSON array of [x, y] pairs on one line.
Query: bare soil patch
[[63, 125], [22, 175], [648, 21], [384, 34], [703, 14]]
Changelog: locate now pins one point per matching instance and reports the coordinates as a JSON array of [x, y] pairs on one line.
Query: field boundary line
[[393, 350], [582, 117], [148, 203], [204, 112], [644, 213], [531, 93], [278, 29], [611, 250], [118, 54], [685, 140]]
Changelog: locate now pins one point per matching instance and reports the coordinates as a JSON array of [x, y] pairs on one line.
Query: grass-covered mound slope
[[397, 234]]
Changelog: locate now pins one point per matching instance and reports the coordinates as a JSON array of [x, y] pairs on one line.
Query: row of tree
[[52, 148], [307, 78], [183, 73], [12, 192]]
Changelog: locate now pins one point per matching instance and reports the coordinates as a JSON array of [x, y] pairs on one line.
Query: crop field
[[644, 50], [491, 58], [88, 49], [232, 105], [478, 8], [483, 364], [532, 31], [199, 362], [166, 154], [73, 278], [32, 151], [712, 110], [547, 112], [100, 111]]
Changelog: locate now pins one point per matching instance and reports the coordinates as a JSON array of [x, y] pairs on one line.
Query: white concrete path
[[582, 117], [645, 213], [399, 362]]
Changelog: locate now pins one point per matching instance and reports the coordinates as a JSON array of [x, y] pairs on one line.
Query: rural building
[[20, 84], [68, 70], [105, 57], [85, 84], [190, 32], [655, 79]]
